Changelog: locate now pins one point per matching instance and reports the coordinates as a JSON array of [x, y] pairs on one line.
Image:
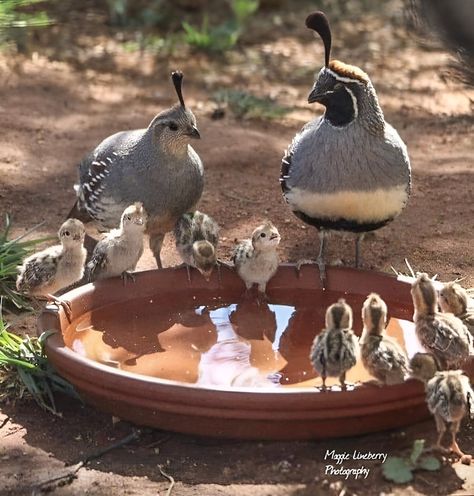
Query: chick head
[[453, 298], [374, 314], [205, 257], [424, 295], [134, 217], [265, 237], [423, 366], [72, 233], [339, 315]]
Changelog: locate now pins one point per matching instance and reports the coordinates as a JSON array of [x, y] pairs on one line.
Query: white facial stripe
[[354, 101], [342, 78]]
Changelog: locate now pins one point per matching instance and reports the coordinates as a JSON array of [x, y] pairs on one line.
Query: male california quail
[[335, 349], [155, 166], [197, 237], [256, 259], [57, 267], [455, 299], [381, 355], [349, 169], [449, 397], [118, 253], [442, 334]]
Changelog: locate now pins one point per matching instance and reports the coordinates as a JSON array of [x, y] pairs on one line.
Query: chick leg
[[441, 428], [156, 241], [466, 459], [127, 276], [358, 240], [64, 304], [342, 380]]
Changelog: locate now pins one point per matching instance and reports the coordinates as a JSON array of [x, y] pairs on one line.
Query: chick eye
[[129, 217], [173, 126], [67, 233], [263, 235]]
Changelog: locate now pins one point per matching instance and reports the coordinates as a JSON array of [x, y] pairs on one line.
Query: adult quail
[[449, 397], [335, 349], [256, 259], [118, 253], [57, 267], [455, 299], [156, 166], [442, 334], [349, 169], [197, 237], [381, 355]]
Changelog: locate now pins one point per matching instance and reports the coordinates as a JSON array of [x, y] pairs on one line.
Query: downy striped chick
[[335, 349], [449, 397], [118, 253], [442, 334], [454, 299], [57, 267], [381, 355], [197, 237], [256, 259]]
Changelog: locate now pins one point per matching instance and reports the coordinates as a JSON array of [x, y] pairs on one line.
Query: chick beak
[[274, 236], [194, 133], [139, 222]]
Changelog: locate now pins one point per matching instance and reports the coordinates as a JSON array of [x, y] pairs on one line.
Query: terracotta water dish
[[202, 358]]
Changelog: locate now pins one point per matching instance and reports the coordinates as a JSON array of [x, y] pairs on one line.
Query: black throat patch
[[339, 108]]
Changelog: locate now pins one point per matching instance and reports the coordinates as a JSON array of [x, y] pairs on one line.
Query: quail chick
[[57, 267], [256, 259], [349, 169], [381, 355], [449, 397], [118, 253], [334, 350], [442, 334], [197, 237], [454, 299], [156, 166]]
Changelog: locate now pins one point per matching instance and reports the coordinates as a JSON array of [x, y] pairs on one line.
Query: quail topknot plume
[[117, 254], [335, 349], [349, 169], [442, 334], [155, 166], [57, 267], [197, 237]]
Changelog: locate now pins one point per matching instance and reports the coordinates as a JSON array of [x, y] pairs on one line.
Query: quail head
[[349, 169], [335, 349], [256, 259], [381, 355], [455, 299], [156, 166], [449, 397], [57, 267], [442, 334], [118, 253], [197, 237]]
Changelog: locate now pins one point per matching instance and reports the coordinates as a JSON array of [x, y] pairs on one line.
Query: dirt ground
[[53, 110]]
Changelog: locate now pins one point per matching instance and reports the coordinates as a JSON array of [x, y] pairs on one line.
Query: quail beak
[[139, 222], [274, 236], [316, 96], [193, 133]]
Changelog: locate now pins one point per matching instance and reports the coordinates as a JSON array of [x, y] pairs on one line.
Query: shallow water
[[209, 341]]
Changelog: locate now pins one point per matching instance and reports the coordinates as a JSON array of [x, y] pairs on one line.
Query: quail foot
[[349, 169], [449, 397], [381, 355], [442, 334], [57, 267], [156, 166], [118, 253], [256, 259], [335, 349], [197, 237]]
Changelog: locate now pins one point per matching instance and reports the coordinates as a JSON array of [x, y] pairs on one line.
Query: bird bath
[[200, 358]]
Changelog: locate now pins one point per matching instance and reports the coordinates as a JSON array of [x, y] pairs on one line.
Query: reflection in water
[[212, 342]]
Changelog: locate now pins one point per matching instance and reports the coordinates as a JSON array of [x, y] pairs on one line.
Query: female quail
[[156, 166], [349, 169]]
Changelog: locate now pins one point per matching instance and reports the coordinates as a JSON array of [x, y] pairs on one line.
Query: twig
[[5, 421], [162, 440], [67, 478], [164, 474], [242, 199]]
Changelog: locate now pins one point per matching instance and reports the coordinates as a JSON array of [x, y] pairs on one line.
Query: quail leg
[[359, 238], [342, 380], [156, 241], [324, 387], [319, 261], [127, 276], [441, 428], [64, 304], [465, 459]]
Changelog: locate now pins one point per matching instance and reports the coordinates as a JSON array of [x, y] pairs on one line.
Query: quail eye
[[129, 217], [338, 86], [67, 233], [173, 126], [263, 235]]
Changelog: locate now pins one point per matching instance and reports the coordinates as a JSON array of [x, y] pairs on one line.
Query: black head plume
[[177, 77], [317, 21]]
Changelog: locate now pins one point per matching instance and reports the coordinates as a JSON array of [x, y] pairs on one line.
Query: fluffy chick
[[449, 397], [57, 267], [118, 253], [334, 350], [453, 298], [256, 260], [381, 355], [197, 237], [442, 334]]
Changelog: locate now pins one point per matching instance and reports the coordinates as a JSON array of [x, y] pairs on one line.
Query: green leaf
[[429, 463], [397, 469], [417, 450]]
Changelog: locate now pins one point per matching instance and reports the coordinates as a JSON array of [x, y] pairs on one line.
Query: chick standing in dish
[[454, 299]]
